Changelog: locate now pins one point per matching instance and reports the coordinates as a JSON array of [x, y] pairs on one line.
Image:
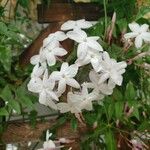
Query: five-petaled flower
[[65, 77], [45, 88], [140, 33]]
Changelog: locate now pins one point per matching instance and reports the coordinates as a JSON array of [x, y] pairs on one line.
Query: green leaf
[[74, 123], [135, 109], [119, 109], [6, 94], [32, 118], [3, 28], [117, 95], [122, 24], [111, 110], [23, 98], [130, 93], [15, 105], [144, 126], [144, 10], [110, 140], [6, 57], [3, 112], [24, 3]]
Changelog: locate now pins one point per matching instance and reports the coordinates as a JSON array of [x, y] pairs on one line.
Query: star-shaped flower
[[105, 88], [57, 36], [44, 87], [111, 70], [93, 57], [65, 77], [37, 71], [76, 102], [140, 33], [49, 54], [79, 24], [85, 42]]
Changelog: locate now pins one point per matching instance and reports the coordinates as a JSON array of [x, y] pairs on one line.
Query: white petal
[[94, 77], [35, 85], [95, 38], [71, 71], [68, 25], [94, 44], [49, 145], [130, 35], [146, 36], [51, 60], [82, 62], [134, 27], [87, 104], [106, 58], [45, 76], [138, 41], [51, 104], [53, 95], [62, 86], [72, 82], [82, 50], [103, 78], [35, 59], [59, 51], [42, 98], [63, 107], [55, 75], [95, 64], [64, 67], [77, 35], [144, 28], [61, 36], [83, 24]]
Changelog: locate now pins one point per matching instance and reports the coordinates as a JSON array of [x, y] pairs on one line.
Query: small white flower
[[76, 102], [103, 88], [112, 70], [93, 57], [48, 54], [57, 36], [37, 71], [140, 33], [79, 24], [45, 89], [84, 42], [65, 77]]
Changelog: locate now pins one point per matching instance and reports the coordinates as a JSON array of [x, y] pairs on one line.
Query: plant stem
[[105, 12]]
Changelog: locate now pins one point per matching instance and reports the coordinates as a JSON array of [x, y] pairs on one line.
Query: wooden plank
[[57, 12]]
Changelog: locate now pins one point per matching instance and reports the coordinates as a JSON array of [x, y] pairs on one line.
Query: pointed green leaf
[[3, 112], [130, 92], [6, 94], [15, 105], [119, 109], [5, 57]]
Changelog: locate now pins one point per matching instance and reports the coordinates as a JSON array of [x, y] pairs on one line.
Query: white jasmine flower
[[65, 77], [52, 51], [57, 36], [105, 88], [78, 101], [37, 71], [48, 54], [140, 33], [79, 24], [93, 57], [84, 42], [45, 90], [111, 70], [39, 58]]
